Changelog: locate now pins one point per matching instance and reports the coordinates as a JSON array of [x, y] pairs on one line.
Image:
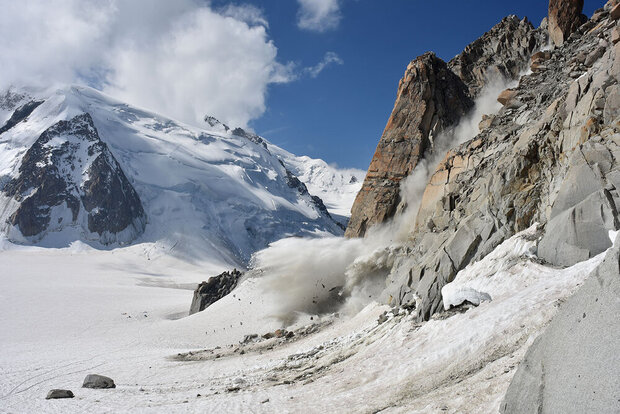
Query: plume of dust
[[317, 276]]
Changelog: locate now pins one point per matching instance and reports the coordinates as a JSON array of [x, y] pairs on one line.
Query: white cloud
[[328, 59], [318, 15], [180, 58]]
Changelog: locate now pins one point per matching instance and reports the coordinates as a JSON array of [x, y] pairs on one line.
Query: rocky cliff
[[432, 97], [549, 156]]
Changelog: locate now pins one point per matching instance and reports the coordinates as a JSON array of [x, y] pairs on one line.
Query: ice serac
[[552, 160], [69, 177], [565, 17], [430, 98], [572, 367]]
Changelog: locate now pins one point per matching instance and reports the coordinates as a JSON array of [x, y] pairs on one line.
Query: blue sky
[[339, 116], [249, 62]]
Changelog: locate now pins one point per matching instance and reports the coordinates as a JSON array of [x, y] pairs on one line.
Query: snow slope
[[335, 186], [208, 194], [120, 315]]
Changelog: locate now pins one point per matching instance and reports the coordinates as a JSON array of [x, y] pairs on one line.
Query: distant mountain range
[[76, 164]]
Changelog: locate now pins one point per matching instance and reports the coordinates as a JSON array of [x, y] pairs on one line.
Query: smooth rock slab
[[57, 394], [572, 367], [98, 381]]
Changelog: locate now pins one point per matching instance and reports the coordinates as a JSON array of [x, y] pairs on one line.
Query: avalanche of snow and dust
[[314, 276], [121, 312], [122, 316]]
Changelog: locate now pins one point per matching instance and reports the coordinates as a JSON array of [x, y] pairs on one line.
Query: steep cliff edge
[[432, 97]]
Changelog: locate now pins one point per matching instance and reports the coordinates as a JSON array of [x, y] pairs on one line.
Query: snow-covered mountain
[[76, 164]]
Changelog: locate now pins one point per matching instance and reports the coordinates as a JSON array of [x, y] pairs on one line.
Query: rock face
[[501, 53], [19, 115], [213, 290], [430, 98], [69, 165], [565, 17], [573, 366], [98, 381], [57, 394], [552, 159], [433, 96]]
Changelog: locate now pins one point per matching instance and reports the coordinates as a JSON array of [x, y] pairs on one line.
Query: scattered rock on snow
[[57, 394], [98, 381]]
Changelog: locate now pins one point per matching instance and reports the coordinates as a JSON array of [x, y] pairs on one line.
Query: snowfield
[[66, 313]]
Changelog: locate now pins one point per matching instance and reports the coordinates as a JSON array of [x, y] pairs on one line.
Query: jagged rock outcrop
[[433, 96], [501, 53], [69, 177], [572, 367], [430, 98], [214, 289], [565, 17], [553, 159]]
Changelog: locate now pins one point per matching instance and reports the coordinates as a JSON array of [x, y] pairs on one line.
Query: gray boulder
[[56, 394], [581, 232], [573, 366], [98, 381]]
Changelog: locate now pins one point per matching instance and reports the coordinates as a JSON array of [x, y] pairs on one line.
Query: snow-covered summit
[[206, 192]]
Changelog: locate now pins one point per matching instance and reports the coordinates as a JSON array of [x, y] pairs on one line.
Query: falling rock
[[565, 17], [98, 381], [507, 96], [57, 394]]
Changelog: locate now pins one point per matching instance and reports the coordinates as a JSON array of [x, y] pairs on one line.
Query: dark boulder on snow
[[213, 290], [57, 394], [573, 366], [98, 381]]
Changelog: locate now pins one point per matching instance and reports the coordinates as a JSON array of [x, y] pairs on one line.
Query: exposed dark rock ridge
[[19, 115], [565, 17], [433, 96], [69, 164], [430, 98], [572, 367], [552, 159], [214, 289]]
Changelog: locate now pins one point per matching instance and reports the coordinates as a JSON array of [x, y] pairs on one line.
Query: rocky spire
[[430, 97], [565, 17]]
